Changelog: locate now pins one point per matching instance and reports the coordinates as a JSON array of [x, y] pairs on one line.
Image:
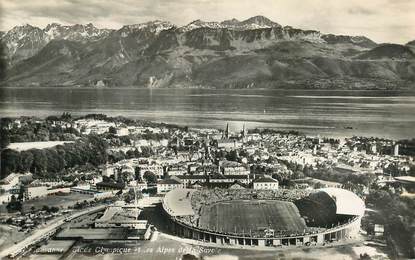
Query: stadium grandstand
[[264, 217]]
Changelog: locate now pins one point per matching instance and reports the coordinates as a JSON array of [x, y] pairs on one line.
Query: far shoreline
[[406, 89], [308, 131]]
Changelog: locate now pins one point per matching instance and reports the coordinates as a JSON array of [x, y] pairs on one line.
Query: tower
[[227, 131], [396, 150], [243, 131]]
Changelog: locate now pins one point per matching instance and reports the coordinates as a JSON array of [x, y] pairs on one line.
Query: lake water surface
[[331, 113]]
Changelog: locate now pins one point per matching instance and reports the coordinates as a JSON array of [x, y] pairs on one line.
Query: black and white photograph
[[207, 129]]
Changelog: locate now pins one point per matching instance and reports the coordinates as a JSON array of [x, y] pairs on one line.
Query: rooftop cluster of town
[[52, 166], [162, 157]]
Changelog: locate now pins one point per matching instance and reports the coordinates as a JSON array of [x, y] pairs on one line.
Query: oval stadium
[[272, 218]]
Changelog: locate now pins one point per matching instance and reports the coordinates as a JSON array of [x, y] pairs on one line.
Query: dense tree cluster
[[32, 130], [407, 147], [115, 156], [327, 173], [397, 213], [44, 162], [273, 131], [330, 174], [150, 177]]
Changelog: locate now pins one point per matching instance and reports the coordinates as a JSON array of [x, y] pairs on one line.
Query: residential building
[[169, 184], [265, 183]]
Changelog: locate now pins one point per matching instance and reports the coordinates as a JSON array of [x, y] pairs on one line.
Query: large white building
[[157, 169], [177, 169], [265, 183], [232, 168], [11, 180], [169, 184]]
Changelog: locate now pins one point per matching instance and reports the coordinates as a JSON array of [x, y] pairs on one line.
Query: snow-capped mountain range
[[256, 22], [256, 52], [24, 41]]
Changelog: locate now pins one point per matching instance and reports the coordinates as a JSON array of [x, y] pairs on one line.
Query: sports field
[[251, 216]]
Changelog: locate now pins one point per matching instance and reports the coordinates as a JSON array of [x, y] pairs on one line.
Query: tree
[[146, 151], [131, 195], [150, 177], [5, 139], [53, 162], [112, 130], [39, 161], [43, 134], [52, 118], [14, 205], [10, 162], [26, 161], [232, 156], [98, 150], [130, 154], [66, 116], [392, 169]]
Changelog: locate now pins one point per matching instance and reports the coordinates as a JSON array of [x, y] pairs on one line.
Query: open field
[[35, 145], [61, 201], [9, 235], [243, 216]]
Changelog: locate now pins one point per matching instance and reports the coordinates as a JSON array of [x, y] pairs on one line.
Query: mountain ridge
[[256, 52]]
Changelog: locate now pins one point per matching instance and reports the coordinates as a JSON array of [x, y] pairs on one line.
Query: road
[[48, 230]]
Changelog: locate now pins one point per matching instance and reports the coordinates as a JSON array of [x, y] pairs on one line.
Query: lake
[[326, 112]]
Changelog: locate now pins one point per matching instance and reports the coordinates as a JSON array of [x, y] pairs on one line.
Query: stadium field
[[251, 216]]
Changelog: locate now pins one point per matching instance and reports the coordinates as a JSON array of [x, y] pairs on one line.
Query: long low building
[[121, 215], [408, 182]]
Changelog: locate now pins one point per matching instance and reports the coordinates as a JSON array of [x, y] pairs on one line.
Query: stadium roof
[[347, 203], [177, 202]]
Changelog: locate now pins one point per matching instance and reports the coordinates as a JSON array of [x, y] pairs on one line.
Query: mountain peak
[[148, 24], [25, 27], [198, 21], [200, 24], [260, 21], [76, 32], [256, 22], [231, 22], [155, 26], [51, 25]]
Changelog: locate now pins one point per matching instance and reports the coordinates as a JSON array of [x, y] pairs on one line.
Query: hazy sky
[[380, 20]]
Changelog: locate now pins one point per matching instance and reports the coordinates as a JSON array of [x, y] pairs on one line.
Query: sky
[[390, 21]]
